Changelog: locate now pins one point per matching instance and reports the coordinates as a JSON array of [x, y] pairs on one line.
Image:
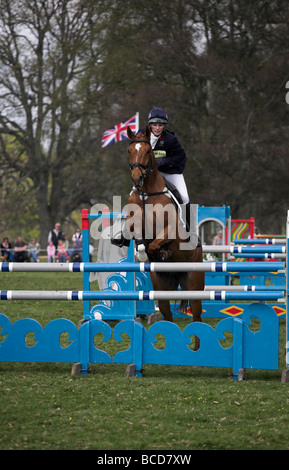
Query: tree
[[219, 68], [49, 94], [71, 69], [246, 53]]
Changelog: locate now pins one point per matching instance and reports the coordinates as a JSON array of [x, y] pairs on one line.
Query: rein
[[148, 170]]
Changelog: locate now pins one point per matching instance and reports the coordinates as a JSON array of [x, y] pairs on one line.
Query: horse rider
[[171, 157]]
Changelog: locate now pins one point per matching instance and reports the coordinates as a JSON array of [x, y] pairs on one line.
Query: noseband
[[147, 169]]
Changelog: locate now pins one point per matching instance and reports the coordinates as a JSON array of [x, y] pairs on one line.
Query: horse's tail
[[183, 306]]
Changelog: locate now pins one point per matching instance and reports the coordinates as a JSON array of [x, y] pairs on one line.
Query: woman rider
[[171, 160], [170, 155]]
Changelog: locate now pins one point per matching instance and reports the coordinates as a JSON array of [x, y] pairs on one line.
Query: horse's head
[[141, 158]]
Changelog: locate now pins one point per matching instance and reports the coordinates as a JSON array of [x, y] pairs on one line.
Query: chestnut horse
[[152, 204]]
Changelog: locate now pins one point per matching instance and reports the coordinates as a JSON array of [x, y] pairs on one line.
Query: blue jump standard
[[110, 294], [144, 267]]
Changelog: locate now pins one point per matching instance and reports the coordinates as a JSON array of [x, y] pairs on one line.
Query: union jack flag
[[118, 132]]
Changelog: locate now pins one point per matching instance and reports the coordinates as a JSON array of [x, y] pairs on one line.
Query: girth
[[144, 196]]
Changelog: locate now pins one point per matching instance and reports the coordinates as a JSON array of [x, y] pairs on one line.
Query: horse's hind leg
[[196, 282], [163, 282], [165, 309]]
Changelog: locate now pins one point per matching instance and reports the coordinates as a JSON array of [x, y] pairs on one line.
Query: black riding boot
[[188, 217], [120, 240]]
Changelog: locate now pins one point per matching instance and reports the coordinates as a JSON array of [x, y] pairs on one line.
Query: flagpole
[[137, 121]]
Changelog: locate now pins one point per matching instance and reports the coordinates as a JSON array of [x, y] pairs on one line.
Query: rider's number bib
[[159, 153]]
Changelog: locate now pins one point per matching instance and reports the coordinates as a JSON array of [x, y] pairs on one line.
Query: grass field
[[170, 408]]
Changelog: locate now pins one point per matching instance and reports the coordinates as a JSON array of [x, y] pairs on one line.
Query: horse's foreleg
[[162, 238], [135, 228], [141, 251]]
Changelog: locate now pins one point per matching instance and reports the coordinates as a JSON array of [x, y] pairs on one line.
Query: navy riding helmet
[[157, 115]]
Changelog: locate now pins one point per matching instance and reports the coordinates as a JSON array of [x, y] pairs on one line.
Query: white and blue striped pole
[[108, 294], [144, 267], [243, 249], [259, 241]]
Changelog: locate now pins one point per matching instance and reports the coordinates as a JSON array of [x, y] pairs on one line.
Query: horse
[[151, 202]]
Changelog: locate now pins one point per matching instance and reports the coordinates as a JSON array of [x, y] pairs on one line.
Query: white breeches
[[178, 182]]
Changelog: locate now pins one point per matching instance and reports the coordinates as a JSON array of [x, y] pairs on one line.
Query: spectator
[[65, 241], [20, 251], [6, 250], [51, 250], [34, 249], [218, 239], [62, 255], [77, 235], [76, 255], [55, 235]]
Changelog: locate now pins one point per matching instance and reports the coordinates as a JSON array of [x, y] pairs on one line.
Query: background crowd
[[58, 248]]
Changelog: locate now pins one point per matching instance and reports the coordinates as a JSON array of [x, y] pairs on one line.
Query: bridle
[[146, 170]]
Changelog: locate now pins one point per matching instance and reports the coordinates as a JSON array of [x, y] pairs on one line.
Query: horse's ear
[[147, 132], [130, 134]]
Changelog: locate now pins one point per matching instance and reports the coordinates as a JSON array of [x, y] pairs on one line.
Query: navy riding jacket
[[169, 153]]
